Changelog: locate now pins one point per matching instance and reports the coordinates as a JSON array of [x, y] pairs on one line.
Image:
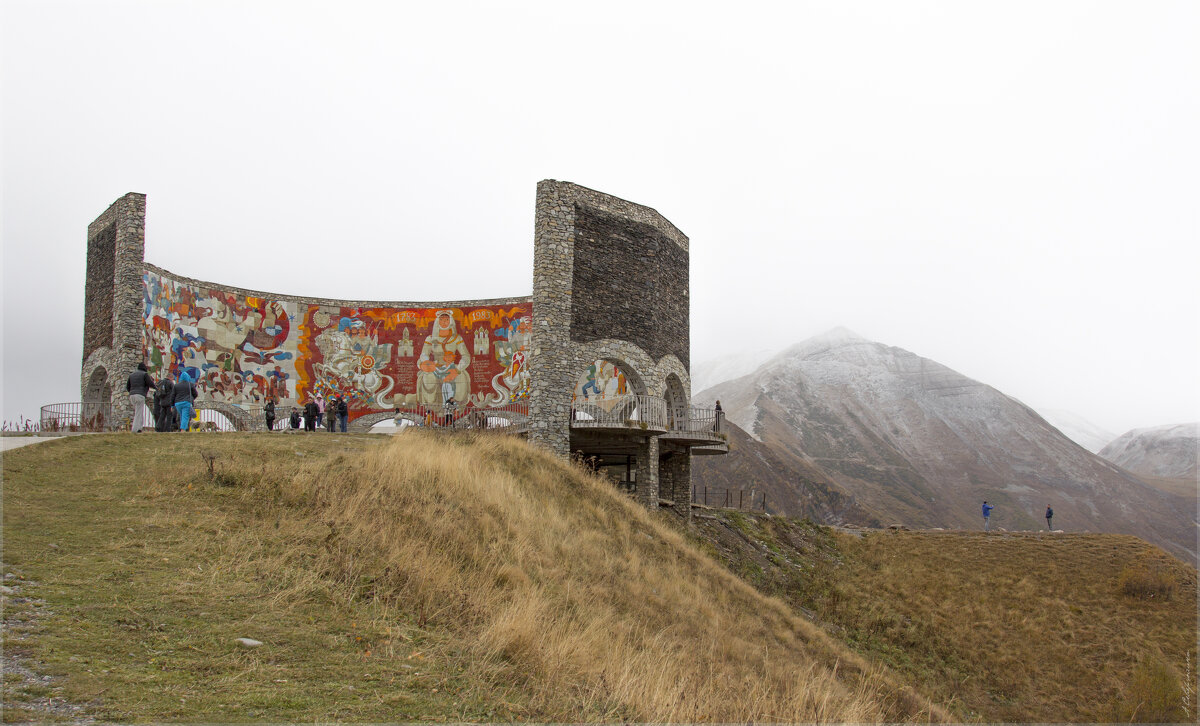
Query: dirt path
[[26, 691]]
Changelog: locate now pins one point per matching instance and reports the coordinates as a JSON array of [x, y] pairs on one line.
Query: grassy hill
[[997, 627], [410, 578]]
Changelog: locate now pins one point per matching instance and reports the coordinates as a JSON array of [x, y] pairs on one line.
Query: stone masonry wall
[[113, 305], [571, 222], [98, 290], [630, 283]]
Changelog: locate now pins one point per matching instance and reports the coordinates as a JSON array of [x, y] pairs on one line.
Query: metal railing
[[699, 420], [621, 412], [76, 417], [511, 417]]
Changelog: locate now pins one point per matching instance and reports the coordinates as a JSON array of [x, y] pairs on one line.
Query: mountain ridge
[[912, 440]]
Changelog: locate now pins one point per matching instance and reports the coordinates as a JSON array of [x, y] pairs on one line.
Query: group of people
[[987, 517], [172, 404], [334, 411]]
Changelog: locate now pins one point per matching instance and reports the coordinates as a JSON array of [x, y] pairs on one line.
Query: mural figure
[[352, 365], [602, 381], [444, 359], [243, 350]]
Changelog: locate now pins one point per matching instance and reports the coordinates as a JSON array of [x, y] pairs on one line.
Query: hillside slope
[[918, 443], [1002, 627], [411, 578]]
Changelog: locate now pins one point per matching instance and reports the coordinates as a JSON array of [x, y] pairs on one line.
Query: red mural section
[[245, 350], [379, 358]]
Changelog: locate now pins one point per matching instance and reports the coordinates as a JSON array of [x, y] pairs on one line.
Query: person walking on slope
[[138, 385], [185, 394], [1049, 516], [987, 512]]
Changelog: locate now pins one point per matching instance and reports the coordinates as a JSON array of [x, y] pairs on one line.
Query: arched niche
[[677, 400], [97, 399], [606, 379]]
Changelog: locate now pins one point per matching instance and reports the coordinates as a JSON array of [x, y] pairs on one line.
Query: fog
[[1007, 188]]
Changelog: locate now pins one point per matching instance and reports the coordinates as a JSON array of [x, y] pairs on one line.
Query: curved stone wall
[[245, 346], [610, 283]]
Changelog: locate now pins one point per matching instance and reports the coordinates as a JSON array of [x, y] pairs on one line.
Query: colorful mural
[[601, 381], [244, 350]]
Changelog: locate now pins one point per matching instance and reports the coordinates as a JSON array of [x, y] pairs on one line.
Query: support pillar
[[647, 472]]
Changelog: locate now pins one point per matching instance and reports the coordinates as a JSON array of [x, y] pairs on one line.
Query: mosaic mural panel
[[244, 350], [600, 382]]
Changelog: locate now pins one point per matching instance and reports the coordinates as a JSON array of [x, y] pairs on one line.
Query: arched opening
[[209, 419], [611, 392], [604, 380], [677, 403], [391, 426], [96, 413]]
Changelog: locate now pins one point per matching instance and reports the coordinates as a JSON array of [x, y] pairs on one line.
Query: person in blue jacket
[[185, 394], [987, 511]]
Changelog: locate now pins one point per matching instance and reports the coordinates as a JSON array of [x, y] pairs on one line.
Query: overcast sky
[[1007, 188]]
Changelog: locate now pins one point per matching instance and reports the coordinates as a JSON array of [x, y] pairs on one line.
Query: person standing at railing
[[185, 394], [164, 404], [269, 413], [717, 414], [138, 385]]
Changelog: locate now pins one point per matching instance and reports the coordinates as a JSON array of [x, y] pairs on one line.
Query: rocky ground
[[27, 692]]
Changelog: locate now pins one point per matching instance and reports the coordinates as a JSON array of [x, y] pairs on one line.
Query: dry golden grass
[[1000, 627], [416, 578], [563, 589]]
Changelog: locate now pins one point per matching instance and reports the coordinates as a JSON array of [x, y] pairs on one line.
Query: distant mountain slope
[[1078, 429], [913, 441], [1161, 451], [792, 485]]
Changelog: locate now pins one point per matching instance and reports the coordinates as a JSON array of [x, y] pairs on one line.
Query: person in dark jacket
[[343, 410], [987, 515], [311, 413], [138, 385], [294, 419], [164, 404], [330, 414], [185, 394], [1049, 516], [269, 412]]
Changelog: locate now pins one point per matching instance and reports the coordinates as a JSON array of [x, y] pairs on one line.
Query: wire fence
[[746, 500]]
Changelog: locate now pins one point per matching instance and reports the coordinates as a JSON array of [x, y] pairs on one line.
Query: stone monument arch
[[595, 363]]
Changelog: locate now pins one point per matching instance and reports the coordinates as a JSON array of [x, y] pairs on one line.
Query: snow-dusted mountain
[[1078, 429], [912, 441], [1161, 451]]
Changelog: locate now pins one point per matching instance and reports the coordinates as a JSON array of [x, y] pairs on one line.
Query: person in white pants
[[138, 385]]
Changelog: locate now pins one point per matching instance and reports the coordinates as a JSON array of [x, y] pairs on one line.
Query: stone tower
[[112, 315], [611, 284]]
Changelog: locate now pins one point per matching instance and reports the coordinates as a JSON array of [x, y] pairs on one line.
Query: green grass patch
[[150, 567]]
